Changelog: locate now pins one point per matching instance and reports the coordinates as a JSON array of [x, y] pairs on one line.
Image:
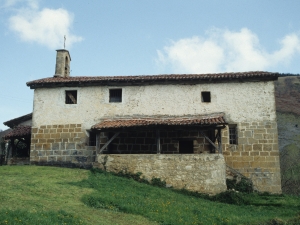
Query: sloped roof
[[18, 132], [149, 79], [16, 121], [213, 119]]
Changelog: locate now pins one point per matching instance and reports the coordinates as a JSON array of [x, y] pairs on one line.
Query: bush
[[231, 197], [244, 185]]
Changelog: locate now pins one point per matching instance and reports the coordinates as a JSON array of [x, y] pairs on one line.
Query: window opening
[[233, 135], [205, 96], [93, 138], [66, 66], [186, 147], [71, 97], [115, 95]]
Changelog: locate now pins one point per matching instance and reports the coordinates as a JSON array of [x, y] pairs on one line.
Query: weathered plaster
[[239, 101]]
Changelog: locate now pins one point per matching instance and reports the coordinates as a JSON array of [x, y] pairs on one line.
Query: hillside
[[48, 195], [287, 92]]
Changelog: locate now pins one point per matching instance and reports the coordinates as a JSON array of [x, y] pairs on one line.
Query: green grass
[[49, 191], [45, 218], [48, 195], [170, 207]]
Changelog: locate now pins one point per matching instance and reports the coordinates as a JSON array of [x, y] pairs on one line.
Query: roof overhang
[[80, 81], [16, 121], [202, 121], [19, 132]]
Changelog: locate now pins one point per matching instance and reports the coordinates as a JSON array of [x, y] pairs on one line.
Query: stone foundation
[[61, 145], [18, 161], [256, 155], [203, 173]]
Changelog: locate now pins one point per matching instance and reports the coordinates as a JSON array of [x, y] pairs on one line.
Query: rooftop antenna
[[65, 42]]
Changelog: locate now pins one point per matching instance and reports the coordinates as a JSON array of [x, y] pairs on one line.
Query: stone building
[[182, 128]]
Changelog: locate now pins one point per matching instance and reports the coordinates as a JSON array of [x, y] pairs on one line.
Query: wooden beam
[[213, 144], [72, 98], [158, 142], [107, 143]]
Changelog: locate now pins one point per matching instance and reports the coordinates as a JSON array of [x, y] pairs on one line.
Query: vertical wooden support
[[12, 148], [98, 142], [158, 142], [219, 138]]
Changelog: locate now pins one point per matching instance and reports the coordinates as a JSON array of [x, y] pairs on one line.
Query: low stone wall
[[61, 145], [18, 161], [205, 173]]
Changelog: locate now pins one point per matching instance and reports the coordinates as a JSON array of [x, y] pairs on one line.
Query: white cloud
[[46, 26], [12, 3], [224, 50]]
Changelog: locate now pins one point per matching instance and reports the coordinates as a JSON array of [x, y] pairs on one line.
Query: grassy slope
[[119, 200], [36, 189]]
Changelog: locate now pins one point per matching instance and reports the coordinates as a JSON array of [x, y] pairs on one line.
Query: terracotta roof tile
[[175, 121], [102, 80], [19, 131]]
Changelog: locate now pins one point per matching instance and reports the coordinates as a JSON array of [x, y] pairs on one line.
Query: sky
[[141, 37]]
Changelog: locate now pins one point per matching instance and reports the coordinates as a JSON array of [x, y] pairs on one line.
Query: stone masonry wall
[[256, 156], [63, 145], [204, 173]]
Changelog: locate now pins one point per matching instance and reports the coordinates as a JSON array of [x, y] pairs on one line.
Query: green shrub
[[231, 197], [244, 185], [158, 182]]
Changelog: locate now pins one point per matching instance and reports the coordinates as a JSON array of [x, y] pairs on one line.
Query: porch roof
[[200, 120], [19, 132]]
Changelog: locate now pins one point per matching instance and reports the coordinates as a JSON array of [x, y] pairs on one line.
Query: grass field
[[49, 195]]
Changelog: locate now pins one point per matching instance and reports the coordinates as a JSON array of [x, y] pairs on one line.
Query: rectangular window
[[205, 96], [115, 95], [233, 135], [71, 97]]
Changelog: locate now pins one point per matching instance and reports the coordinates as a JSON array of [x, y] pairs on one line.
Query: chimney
[[63, 59]]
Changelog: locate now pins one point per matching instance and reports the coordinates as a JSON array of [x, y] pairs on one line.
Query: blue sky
[[137, 37]]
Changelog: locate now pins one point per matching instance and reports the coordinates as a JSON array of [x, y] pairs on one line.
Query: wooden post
[[158, 142], [98, 135], [219, 138]]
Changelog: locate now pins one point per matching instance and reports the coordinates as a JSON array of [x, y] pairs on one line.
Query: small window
[[92, 139], [71, 97], [115, 95], [233, 135], [205, 96]]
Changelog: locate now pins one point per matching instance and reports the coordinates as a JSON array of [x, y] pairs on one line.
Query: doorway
[[186, 147]]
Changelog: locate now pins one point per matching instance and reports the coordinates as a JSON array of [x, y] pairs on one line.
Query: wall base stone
[[205, 173], [61, 145]]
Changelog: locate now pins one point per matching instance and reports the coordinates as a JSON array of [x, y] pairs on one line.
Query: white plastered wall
[[240, 101]]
